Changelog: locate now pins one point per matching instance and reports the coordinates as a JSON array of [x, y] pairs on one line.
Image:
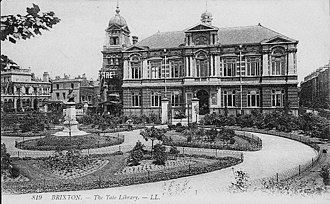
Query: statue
[[71, 96]]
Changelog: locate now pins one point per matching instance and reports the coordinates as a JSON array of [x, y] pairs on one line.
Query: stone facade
[[233, 70], [315, 89], [21, 91]]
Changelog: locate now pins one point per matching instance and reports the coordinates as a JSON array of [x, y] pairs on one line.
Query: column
[[193, 67], [144, 69], [291, 63], [125, 69], [211, 61], [195, 110], [15, 103], [165, 103], [265, 70], [219, 97], [187, 66]]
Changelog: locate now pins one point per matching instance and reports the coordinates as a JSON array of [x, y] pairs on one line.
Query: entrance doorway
[[204, 107]]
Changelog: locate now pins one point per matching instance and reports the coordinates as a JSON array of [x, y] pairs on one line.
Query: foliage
[[179, 115], [14, 171], [174, 151], [160, 155], [68, 161], [152, 134], [5, 158], [325, 174], [18, 26], [241, 183], [136, 156]]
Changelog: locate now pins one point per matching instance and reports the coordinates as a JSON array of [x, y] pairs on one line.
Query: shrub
[[325, 174], [180, 128], [136, 156], [174, 151], [14, 172], [160, 155]]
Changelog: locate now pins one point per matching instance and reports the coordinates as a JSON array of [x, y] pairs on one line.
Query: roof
[[227, 36]]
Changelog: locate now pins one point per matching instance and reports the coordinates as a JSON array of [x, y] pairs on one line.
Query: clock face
[[201, 40]]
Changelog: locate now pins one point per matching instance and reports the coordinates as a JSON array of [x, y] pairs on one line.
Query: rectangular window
[[155, 69], [89, 98], [278, 98], [136, 99], [278, 65], [175, 99], [229, 98], [63, 94], [253, 66], [155, 99], [165, 71], [229, 67], [176, 67], [57, 96], [83, 98], [72, 85], [136, 70], [253, 99], [114, 41], [214, 100]]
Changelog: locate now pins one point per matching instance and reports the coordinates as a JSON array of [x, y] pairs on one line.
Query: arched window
[[201, 65], [136, 67], [278, 61]]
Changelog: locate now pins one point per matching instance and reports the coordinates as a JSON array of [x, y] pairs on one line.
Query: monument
[[70, 123]]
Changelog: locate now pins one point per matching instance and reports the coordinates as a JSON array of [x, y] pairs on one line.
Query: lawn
[[63, 142]]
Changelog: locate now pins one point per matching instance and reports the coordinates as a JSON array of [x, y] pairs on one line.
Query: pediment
[[201, 27], [135, 48], [114, 27], [279, 39]]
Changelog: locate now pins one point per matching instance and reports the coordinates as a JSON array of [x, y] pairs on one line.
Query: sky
[[74, 45]]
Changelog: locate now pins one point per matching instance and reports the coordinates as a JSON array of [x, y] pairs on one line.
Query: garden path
[[277, 155]]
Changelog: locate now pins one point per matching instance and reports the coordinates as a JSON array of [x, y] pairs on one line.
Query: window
[[201, 65], [202, 40], [176, 67], [83, 98], [277, 98], [155, 99], [278, 65], [229, 67], [214, 100], [155, 69], [57, 96], [114, 41], [63, 95], [89, 98], [19, 91], [253, 99], [175, 99], [189, 97], [72, 85], [110, 61], [229, 98], [253, 66], [165, 69], [27, 90], [136, 70], [57, 86], [116, 61], [136, 99]]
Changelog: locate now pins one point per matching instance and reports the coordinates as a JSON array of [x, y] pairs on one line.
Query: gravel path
[[277, 155]]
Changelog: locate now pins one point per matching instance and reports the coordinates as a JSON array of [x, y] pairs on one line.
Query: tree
[[18, 26], [152, 134]]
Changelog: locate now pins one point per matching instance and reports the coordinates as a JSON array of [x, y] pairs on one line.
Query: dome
[[206, 14], [117, 19], [206, 17]]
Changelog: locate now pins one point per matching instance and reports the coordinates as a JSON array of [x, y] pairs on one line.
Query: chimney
[[135, 39], [45, 77]]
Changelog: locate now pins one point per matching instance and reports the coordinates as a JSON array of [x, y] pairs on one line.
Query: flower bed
[[112, 180], [63, 142]]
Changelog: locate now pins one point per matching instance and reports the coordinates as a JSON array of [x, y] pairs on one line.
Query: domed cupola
[[206, 18], [117, 19]]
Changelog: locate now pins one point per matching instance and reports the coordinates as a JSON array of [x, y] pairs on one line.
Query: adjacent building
[[21, 91], [230, 70], [82, 89], [315, 89]]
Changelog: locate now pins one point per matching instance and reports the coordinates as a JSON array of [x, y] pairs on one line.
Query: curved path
[[277, 155]]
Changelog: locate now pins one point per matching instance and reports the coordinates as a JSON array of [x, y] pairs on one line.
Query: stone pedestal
[[70, 123], [195, 110], [165, 103]]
